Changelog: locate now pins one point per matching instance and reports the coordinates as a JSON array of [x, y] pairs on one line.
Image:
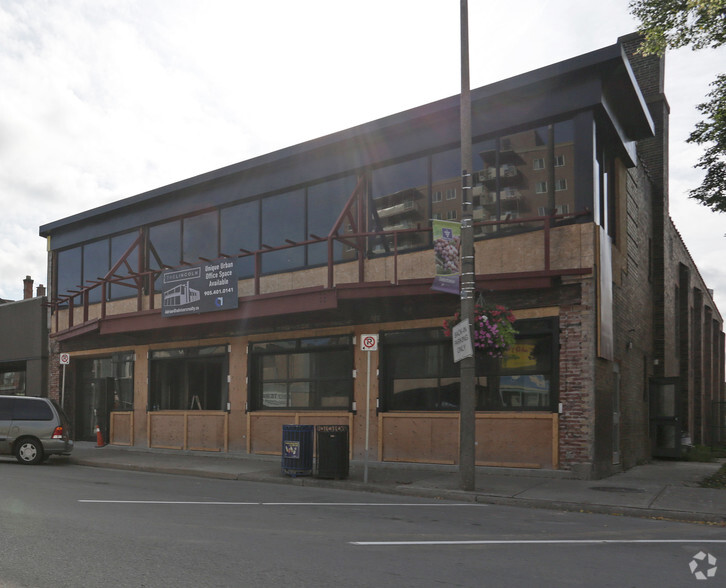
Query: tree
[[700, 24]]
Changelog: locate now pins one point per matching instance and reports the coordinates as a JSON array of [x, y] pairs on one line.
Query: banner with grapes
[[447, 241]]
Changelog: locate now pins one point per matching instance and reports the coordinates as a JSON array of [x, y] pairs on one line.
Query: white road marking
[[536, 542], [188, 502], [184, 502], [437, 504]]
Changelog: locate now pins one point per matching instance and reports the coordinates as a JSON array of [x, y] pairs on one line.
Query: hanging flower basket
[[493, 329]]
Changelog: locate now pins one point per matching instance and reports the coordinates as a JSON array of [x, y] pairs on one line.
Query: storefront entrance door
[[93, 407], [665, 426], [103, 384]]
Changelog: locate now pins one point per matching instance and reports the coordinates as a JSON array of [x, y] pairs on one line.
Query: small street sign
[[65, 358], [369, 342], [461, 339]]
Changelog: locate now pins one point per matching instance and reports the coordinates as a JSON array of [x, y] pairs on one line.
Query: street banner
[[447, 241]]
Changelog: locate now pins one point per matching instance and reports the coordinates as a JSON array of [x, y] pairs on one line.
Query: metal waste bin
[[297, 450], [332, 451]]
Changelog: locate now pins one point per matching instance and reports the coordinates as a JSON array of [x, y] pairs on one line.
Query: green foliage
[[712, 133], [700, 24], [699, 453], [680, 23]]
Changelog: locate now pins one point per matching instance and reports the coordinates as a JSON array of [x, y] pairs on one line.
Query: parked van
[[33, 429]]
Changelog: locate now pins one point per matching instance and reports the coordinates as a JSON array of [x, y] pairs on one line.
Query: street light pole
[[467, 402]]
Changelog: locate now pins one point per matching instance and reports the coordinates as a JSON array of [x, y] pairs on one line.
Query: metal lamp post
[[467, 406]]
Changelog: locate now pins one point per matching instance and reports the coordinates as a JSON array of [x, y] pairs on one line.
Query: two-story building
[[24, 343], [207, 314]]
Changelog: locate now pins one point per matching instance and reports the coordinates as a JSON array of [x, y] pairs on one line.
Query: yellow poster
[[520, 355]]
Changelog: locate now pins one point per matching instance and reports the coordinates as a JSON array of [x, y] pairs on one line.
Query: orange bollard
[[99, 437]]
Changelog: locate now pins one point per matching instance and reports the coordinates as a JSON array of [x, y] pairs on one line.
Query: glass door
[[665, 426], [103, 385], [93, 404]]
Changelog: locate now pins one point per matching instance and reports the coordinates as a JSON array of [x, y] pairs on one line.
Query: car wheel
[[29, 451]]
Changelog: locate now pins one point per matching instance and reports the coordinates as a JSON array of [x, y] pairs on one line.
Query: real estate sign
[[206, 287]]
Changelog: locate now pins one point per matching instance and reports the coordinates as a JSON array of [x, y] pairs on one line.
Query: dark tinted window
[[120, 245], [283, 219], [240, 229], [325, 203], [6, 408], [27, 409], [95, 266], [69, 270], [418, 371], [164, 247], [200, 237]]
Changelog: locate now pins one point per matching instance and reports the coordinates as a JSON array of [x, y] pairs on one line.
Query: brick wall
[[633, 316], [577, 352]]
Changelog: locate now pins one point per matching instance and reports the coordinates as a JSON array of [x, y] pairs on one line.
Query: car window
[[6, 408], [63, 417], [32, 410]]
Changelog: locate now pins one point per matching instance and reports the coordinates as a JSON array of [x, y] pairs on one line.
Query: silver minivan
[[33, 429]]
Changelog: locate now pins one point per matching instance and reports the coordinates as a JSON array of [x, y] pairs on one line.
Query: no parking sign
[[65, 358], [369, 343]]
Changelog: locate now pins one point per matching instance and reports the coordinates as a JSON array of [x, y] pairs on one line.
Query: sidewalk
[[667, 489]]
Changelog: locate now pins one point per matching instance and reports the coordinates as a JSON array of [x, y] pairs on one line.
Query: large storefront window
[[189, 379], [283, 220], [302, 374], [526, 174], [325, 202], [120, 245], [522, 175], [95, 266], [239, 227], [199, 237], [418, 372], [12, 378], [164, 248], [70, 270], [399, 200]]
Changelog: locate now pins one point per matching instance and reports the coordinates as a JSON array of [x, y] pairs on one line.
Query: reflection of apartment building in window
[[447, 208], [399, 211], [520, 173], [331, 239]]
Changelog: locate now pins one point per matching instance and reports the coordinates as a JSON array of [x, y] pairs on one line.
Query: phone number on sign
[[218, 292]]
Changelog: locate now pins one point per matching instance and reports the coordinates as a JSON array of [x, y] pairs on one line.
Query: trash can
[[332, 451], [297, 450]]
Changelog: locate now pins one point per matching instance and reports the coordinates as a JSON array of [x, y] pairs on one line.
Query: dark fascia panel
[[544, 94]]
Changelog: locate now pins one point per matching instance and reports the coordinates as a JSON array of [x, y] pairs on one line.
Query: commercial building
[[24, 343], [207, 314]]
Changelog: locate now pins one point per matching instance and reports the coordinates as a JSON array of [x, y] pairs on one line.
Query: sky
[[105, 99]]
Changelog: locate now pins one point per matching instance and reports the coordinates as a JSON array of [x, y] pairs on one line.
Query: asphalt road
[[65, 525]]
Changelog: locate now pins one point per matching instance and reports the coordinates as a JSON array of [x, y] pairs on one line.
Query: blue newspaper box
[[297, 450]]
